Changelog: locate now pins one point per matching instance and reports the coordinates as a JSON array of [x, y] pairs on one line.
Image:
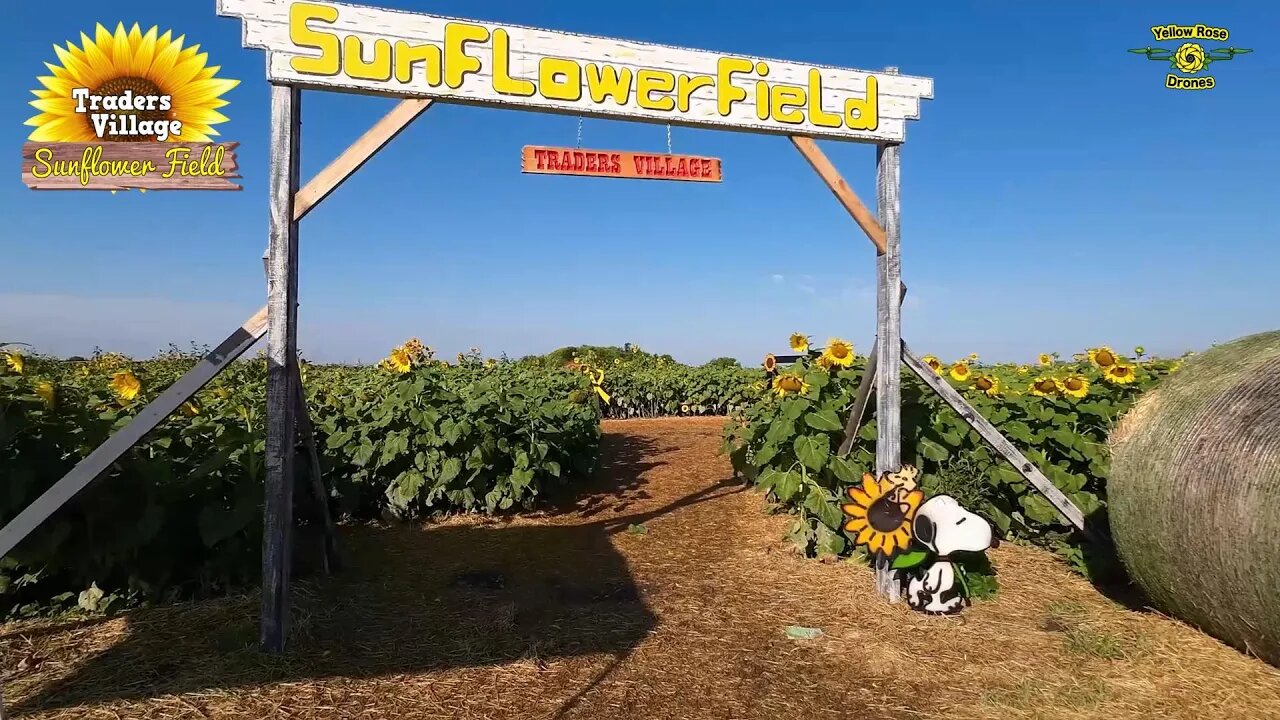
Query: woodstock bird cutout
[[943, 527]]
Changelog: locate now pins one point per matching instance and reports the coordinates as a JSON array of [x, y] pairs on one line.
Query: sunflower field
[[180, 514], [639, 385], [1057, 412], [414, 436]]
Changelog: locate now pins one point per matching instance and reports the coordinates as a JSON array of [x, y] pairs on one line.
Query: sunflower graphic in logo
[[1189, 58], [175, 83], [882, 510]]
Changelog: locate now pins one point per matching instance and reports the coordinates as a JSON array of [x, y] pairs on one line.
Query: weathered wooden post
[[888, 336], [282, 355]]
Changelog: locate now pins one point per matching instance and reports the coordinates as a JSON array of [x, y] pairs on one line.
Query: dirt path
[[576, 613]]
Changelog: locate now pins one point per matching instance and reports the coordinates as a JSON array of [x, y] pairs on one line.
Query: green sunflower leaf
[[911, 559], [823, 420], [844, 470], [813, 450]]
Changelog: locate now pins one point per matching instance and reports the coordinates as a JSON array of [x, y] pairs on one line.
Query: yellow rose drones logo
[[129, 109], [1190, 58]]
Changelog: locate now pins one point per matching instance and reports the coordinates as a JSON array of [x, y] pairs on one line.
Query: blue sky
[[1054, 195]]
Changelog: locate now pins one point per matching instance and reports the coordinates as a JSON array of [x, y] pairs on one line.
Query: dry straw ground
[[578, 613]]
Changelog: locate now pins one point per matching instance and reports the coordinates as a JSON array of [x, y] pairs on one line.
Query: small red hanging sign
[[544, 160]]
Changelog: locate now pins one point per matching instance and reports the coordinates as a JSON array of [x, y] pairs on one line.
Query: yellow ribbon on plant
[[597, 378]]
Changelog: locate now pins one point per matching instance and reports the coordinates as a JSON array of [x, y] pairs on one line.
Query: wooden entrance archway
[[424, 59]]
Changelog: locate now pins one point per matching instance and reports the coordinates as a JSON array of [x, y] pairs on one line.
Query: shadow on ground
[[412, 599]]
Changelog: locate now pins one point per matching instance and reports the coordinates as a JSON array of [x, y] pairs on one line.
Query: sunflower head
[[190, 409], [1024, 370], [1044, 359], [14, 361], [933, 362], [881, 513], [47, 394], [789, 384], [125, 385], [146, 64], [400, 360], [1189, 58], [987, 384], [1120, 373], [1043, 387], [770, 363], [838, 353], [1103, 357], [960, 371], [1076, 386], [799, 342]]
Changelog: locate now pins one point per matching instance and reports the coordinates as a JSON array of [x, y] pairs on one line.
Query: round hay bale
[[1194, 493]]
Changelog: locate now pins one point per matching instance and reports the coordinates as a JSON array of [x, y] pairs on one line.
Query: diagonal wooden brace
[[1069, 511], [97, 462]]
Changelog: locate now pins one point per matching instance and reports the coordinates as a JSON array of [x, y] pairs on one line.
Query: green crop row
[[1058, 414], [180, 514]]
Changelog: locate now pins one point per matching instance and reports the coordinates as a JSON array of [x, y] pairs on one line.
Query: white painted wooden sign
[[337, 46]]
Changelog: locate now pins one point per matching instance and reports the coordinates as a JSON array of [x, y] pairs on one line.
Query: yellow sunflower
[[933, 362], [490, 363], [1120, 373], [987, 384], [14, 361], [684, 408], [1190, 58], [838, 353], [770, 363], [784, 384], [1103, 357], [415, 347], [973, 357], [190, 409], [1044, 387], [1024, 370], [145, 63], [881, 514], [400, 360], [799, 342], [125, 385], [960, 371], [1077, 386], [1045, 359], [46, 392]]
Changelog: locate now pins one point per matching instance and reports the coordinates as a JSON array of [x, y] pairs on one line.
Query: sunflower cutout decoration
[[882, 510], [167, 82]]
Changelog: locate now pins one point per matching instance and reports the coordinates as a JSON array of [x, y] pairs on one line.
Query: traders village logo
[[129, 109], [1190, 58]]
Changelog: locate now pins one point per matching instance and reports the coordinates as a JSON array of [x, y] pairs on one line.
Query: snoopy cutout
[[943, 527]]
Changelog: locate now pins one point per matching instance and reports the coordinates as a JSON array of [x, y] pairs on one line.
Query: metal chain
[[579, 132], [668, 138]]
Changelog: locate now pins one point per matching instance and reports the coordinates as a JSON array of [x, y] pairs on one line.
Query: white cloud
[[779, 279]]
